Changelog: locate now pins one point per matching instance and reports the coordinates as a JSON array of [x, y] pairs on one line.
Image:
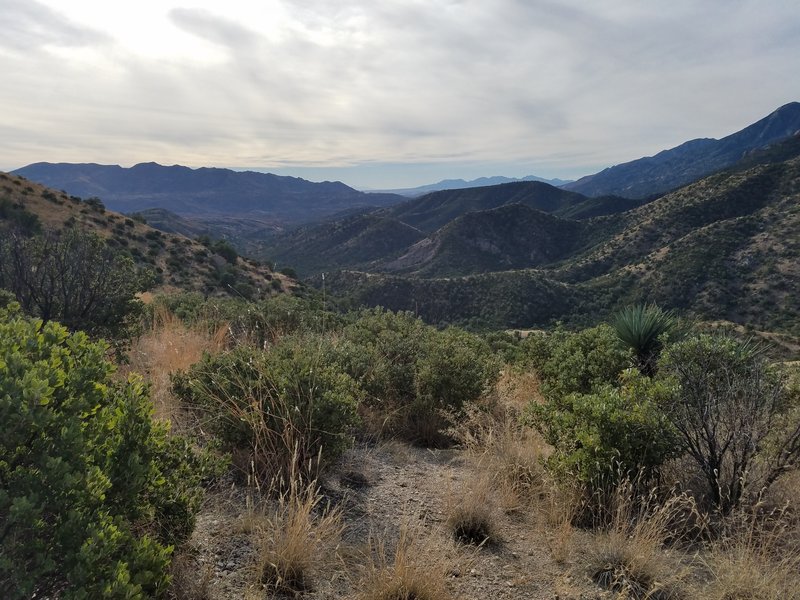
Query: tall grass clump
[[294, 538], [415, 569], [627, 552], [756, 556]]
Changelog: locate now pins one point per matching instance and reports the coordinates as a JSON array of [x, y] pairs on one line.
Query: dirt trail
[[382, 489]]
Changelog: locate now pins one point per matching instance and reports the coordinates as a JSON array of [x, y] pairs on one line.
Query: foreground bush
[[92, 491], [576, 362], [609, 435], [279, 410]]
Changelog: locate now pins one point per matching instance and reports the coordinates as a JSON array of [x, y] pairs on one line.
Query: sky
[[386, 93]]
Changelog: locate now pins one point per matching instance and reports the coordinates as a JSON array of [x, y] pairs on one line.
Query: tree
[[72, 277], [735, 414]]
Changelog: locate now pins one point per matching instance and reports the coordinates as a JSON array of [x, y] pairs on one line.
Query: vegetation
[[623, 456], [289, 407], [72, 277], [736, 415], [93, 492], [641, 328]]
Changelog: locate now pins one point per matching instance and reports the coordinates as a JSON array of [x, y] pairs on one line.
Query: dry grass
[[166, 347], [628, 555], [471, 514], [294, 538], [492, 433], [758, 559], [417, 569], [191, 580]]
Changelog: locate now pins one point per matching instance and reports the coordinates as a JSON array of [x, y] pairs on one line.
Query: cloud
[[28, 25], [570, 85]]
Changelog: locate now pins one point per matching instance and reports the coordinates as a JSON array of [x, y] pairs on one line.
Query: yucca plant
[[641, 328]]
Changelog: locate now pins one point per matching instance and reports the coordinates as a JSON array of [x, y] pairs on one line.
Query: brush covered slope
[[453, 232], [175, 261], [724, 248], [205, 191], [691, 160]]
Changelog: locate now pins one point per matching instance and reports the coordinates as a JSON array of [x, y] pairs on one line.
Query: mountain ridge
[[203, 191], [674, 167]]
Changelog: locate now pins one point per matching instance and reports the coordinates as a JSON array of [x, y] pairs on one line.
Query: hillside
[[176, 261], [404, 236], [689, 161], [512, 236], [724, 248], [206, 191]]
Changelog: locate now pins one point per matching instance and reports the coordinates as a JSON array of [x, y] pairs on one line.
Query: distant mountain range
[[207, 191], [452, 232], [669, 169], [460, 184]]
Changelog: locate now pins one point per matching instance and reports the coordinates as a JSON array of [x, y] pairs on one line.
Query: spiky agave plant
[[640, 328]]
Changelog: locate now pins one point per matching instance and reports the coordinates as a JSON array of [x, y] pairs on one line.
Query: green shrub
[[278, 410], [575, 362], [91, 489], [414, 375], [609, 435]]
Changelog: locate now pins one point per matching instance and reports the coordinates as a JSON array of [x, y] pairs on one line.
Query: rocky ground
[[387, 493]]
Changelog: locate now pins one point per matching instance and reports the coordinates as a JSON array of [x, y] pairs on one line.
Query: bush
[[91, 489], [575, 362], [736, 416], [72, 277], [414, 374], [279, 410], [609, 435]]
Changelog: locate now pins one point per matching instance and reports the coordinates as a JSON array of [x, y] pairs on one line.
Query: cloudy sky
[[386, 93]]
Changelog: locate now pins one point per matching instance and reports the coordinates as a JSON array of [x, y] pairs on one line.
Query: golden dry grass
[[757, 558], [472, 515], [416, 569], [294, 537], [166, 347], [628, 555]]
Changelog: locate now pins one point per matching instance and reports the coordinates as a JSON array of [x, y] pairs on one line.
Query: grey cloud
[[28, 25], [214, 28]]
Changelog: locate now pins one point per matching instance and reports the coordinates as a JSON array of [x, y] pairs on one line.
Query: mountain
[[512, 236], [460, 184], [205, 191], [432, 211], [447, 232], [358, 241], [724, 248], [176, 261], [691, 160]]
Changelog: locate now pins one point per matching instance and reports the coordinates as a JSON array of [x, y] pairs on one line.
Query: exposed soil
[[381, 490]]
